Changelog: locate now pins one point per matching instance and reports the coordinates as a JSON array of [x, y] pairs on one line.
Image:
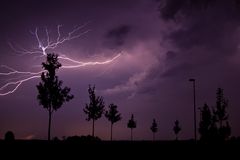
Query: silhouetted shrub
[[56, 139], [9, 136]]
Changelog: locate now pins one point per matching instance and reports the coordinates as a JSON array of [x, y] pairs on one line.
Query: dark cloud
[[181, 69], [207, 30], [116, 37], [202, 32], [171, 9]]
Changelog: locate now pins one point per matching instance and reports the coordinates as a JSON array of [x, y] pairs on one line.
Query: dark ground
[[35, 149]]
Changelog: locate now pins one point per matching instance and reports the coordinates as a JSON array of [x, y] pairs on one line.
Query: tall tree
[[113, 116], [214, 125], [95, 108], [205, 125], [221, 105], [221, 116], [132, 124], [154, 128], [51, 95], [176, 128]]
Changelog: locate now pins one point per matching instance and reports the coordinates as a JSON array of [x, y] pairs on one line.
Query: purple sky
[[163, 44]]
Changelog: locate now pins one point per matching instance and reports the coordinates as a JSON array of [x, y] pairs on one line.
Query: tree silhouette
[[51, 95], [9, 136], [132, 124], [214, 126], [154, 128], [208, 129], [113, 116], [221, 115], [205, 125], [225, 131], [176, 128], [95, 108], [221, 105]]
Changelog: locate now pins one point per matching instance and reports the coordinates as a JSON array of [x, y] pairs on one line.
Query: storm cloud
[[117, 36], [162, 43]]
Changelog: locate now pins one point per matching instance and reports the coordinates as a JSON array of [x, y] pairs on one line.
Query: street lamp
[[194, 109]]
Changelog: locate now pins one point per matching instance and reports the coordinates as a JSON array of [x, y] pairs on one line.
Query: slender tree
[[221, 116], [206, 123], [221, 105], [154, 128], [214, 125], [176, 128], [132, 124], [95, 108], [51, 95], [113, 116]]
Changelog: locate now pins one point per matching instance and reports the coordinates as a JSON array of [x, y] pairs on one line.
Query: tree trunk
[[153, 136], [111, 130], [131, 134], [49, 124], [93, 128]]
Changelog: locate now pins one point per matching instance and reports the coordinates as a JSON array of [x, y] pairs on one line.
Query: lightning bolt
[[16, 83], [20, 77], [82, 64]]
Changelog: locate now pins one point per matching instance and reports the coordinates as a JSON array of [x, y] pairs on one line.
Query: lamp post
[[194, 109]]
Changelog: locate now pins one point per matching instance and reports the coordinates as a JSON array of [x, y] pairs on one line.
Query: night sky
[[162, 43]]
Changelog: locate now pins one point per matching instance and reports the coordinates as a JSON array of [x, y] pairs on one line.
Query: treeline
[[213, 127]]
